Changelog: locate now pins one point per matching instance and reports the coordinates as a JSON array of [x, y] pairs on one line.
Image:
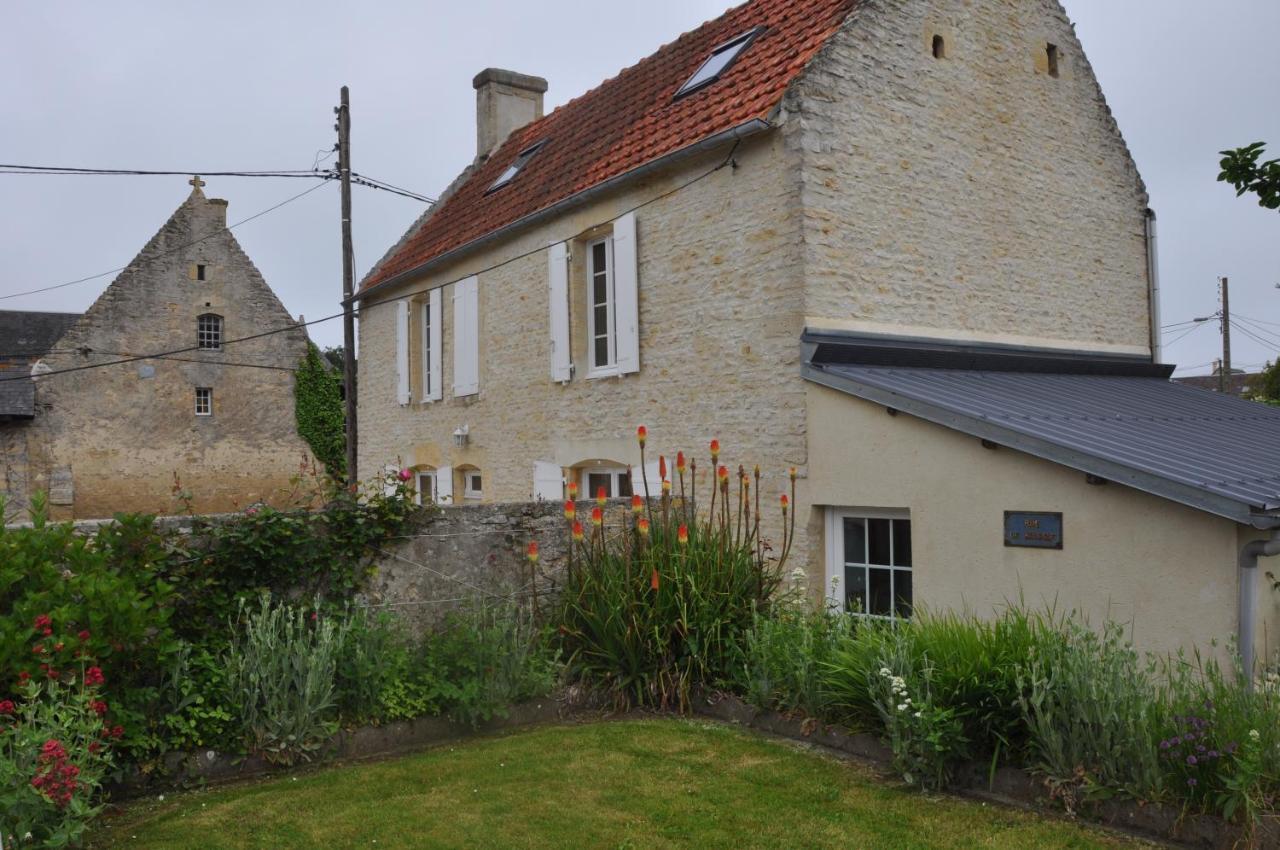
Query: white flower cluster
[[898, 688]]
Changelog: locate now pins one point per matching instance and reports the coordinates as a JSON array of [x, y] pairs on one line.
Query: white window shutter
[[433, 355], [548, 481], [652, 479], [558, 292], [466, 337], [626, 291], [402, 351], [389, 486], [444, 485]]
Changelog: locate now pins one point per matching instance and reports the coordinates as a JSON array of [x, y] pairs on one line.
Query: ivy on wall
[[319, 410]]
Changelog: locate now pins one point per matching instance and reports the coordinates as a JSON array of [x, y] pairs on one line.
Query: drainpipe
[[1153, 285], [1248, 581]]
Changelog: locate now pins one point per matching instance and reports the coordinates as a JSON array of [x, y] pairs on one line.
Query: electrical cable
[[229, 227], [1185, 334]]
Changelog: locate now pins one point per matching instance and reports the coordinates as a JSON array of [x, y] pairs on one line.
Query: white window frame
[[431, 332], [204, 394], [615, 473], [609, 369], [418, 477], [835, 566], [472, 484]]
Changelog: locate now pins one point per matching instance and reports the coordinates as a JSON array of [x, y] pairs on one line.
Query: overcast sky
[[251, 86]]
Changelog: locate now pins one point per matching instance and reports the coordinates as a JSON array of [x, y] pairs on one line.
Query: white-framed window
[[432, 336], [204, 401], [472, 484], [424, 487], [209, 331], [869, 561], [602, 336], [616, 481]]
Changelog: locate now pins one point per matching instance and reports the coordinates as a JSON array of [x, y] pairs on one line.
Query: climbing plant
[[318, 407]]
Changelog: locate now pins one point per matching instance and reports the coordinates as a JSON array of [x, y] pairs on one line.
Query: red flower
[[83, 635], [47, 632], [601, 498], [533, 551], [41, 622], [577, 531], [723, 473], [597, 517], [682, 535], [785, 502], [405, 475], [666, 486], [573, 489], [7, 706], [662, 466], [642, 526], [57, 647], [117, 731], [715, 450], [680, 462], [38, 649], [99, 707], [24, 676], [570, 510], [93, 676], [653, 580], [637, 503], [642, 434], [94, 747]]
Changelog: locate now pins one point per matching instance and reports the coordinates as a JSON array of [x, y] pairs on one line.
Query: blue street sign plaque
[[1034, 530]]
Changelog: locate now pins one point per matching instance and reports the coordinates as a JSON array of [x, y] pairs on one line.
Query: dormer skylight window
[[514, 168], [718, 62]]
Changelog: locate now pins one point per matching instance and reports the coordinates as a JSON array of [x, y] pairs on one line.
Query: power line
[[198, 360], [171, 250], [1186, 333], [159, 355], [37, 170], [1259, 321], [1268, 344], [1256, 326], [365, 180]]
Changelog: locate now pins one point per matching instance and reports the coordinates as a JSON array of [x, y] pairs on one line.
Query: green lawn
[[627, 784]]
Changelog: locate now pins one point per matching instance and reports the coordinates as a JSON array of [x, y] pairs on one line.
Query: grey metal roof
[[25, 336], [1212, 451]]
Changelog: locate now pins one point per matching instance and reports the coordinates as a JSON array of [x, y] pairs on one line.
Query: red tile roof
[[627, 121]]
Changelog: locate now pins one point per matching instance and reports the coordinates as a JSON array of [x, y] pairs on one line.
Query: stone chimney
[[505, 101]]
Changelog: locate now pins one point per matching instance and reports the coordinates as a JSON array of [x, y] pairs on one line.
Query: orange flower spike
[[680, 462], [715, 451], [793, 473], [662, 466], [723, 473], [597, 517], [637, 504], [666, 487], [786, 503], [533, 551], [577, 531], [573, 489], [653, 581], [682, 535], [642, 433], [642, 526], [600, 496], [570, 510]]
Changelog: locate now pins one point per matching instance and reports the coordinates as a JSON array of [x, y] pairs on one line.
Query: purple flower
[[1200, 748], [1192, 782], [1213, 754], [1191, 759], [1164, 745]]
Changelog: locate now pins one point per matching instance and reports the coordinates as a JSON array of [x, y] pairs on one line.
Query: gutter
[[1247, 613], [1153, 284], [741, 131]]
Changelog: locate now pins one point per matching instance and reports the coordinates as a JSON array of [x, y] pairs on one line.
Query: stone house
[[781, 228], [217, 414]]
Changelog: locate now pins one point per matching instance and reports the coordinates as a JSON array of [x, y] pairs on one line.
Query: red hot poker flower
[[682, 535], [666, 487], [715, 450], [662, 466], [637, 503], [642, 526], [597, 517], [570, 510], [785, 502], [680, 462], [601, 498], [653, 580], [573, 489], [723, 473], [533, 551], [577, 531], [642, 433]]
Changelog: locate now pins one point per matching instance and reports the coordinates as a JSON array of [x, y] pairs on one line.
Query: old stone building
[[102, 436], [707, 242]]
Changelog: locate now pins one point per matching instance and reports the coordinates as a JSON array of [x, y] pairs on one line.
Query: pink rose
[[405, 475]]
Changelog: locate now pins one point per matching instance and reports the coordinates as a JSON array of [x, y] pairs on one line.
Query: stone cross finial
[[196, 181]]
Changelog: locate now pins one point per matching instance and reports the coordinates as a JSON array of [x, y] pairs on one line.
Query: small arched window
[[939, 47], [209, 331]]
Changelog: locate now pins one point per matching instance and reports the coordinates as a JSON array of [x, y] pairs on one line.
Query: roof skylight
[[718, 62], [514, 168]]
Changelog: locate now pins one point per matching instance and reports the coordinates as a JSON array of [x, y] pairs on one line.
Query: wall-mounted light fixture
[[462, 436]]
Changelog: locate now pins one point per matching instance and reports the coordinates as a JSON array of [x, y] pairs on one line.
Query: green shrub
[[372, 660], [660, 603], [783, 658], [53, 756], [485, 658], [281, 668], [195, 711]]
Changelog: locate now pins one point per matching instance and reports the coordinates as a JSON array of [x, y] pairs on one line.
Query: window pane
[[598, 257], [624, 486], [599, 293], [855, 541], [602, 351], [879, 593], [596, 480], [601, 315], [475, 482], [878, 538], [855, 589], [902, 542], [902, 592]]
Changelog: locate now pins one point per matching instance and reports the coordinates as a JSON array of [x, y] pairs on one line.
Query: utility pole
[[1224, 374], [348, 286]]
